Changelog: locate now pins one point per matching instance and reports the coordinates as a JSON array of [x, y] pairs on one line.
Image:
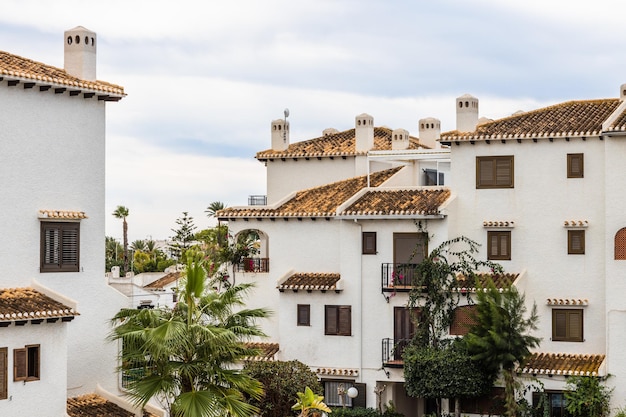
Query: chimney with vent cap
[[280, 134], [364, 132], [466, 113], [429, 132], [399, 139], [80, 53]]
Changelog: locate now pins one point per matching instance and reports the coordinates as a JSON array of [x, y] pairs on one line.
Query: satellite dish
[[286, 113]]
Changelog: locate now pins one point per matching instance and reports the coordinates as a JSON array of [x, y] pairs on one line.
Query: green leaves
[[308, 401]]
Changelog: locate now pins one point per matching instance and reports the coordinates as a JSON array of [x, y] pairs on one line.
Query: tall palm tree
[[138, 245], [187, 354], [211, 211], [121, 212], [500, 338]]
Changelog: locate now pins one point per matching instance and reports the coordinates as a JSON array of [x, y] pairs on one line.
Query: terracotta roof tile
[[337, 371], [93, 405], [563, 364], [620, 122], [333, 144], [164, 281], [422, 201], [268, 350], [23, 68], [28, 304], [62, 214], [572, 118], [501, 281], [311, 281], [314, 202]]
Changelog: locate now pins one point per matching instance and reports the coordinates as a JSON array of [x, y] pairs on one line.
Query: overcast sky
[[205, 78]]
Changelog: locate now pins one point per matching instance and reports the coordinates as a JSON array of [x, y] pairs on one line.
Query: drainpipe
[[361, 287]]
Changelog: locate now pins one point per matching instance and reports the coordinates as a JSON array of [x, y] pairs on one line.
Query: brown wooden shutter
[[486, 172], [463, 320], [503, 171], [330, 320], [20, 364], [345, 320], [575, 242], [559, 325], [304, 314], [69, 242], [575, 165], [369, 243], [360, 399], [4, 377], [575, 325]]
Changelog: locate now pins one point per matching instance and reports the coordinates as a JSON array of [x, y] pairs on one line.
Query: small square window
[[575, 165], [338, 320], [567, 325], [499, 245], [494, 171], [60, 244], [576, 242], [304, 314], [369, 243]]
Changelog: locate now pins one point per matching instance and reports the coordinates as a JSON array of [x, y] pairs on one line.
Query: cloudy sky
[[205, 78]]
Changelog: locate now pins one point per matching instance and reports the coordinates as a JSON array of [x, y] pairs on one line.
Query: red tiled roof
[[563, 364], [267, 350], [164, 281], [93, 405], [320, 201], [334, 144], [311, 281], [17, 67], [421, 201], [18, 304], [572, 118]]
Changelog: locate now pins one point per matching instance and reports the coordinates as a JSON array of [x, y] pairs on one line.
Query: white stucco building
[[540, 191], [55, 304]]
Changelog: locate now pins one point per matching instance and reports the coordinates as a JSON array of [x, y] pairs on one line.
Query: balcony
[[392, 352], [397, 277], [253, 265], [257, 200]]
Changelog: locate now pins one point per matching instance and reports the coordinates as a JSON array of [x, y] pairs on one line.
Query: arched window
[[620, 244]]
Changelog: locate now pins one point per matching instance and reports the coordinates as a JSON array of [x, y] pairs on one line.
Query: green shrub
[[363, 412]]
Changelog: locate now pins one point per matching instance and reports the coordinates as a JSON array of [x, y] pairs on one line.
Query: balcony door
[[409, 249], [403, 330]]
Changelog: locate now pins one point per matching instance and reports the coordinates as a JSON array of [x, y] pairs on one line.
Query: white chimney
[[622, 91], [429, 132], [364, 132], [399, 139], [466, 113], [80, 53], [280, 134], [329, 131]]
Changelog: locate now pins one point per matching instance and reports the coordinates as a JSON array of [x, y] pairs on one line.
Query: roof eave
[[390, 216]]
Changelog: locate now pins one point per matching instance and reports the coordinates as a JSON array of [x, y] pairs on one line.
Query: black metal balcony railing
[[397, 277], [253, 265], [257, 200], [392, 352]]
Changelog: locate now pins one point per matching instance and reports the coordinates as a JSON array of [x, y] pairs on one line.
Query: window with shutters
[[575, 165], [462, 320], [567, 325], [338, 320], [4, 380], [576, 242], [620, 245], [26, 363], [494, 171], [368, 243], [60, 243], [499, 245], [304, 314]]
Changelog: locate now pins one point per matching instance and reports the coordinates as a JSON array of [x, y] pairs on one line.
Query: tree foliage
[[183, 236], [309, 402], [587, 397], [500, 339], [184, 356], [281, 382]]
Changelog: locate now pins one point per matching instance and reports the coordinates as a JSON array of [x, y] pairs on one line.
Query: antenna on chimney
[[286, 113]]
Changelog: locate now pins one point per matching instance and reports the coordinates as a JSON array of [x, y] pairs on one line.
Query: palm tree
[[187, 354], [138, 245], [211, 211], [500, 338], [121, 212]]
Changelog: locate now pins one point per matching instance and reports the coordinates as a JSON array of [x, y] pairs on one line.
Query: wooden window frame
[[368, 243], [26, 363], [4, 373], [304, 314], [575, 242], [500, 235], [568, 314], [494, 180], [575, 165], [337, 320], [66, 255]]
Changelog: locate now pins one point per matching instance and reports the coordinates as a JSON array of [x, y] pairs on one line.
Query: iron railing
[[253, 265], [392, 352], [397, 277], [257, 200]]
